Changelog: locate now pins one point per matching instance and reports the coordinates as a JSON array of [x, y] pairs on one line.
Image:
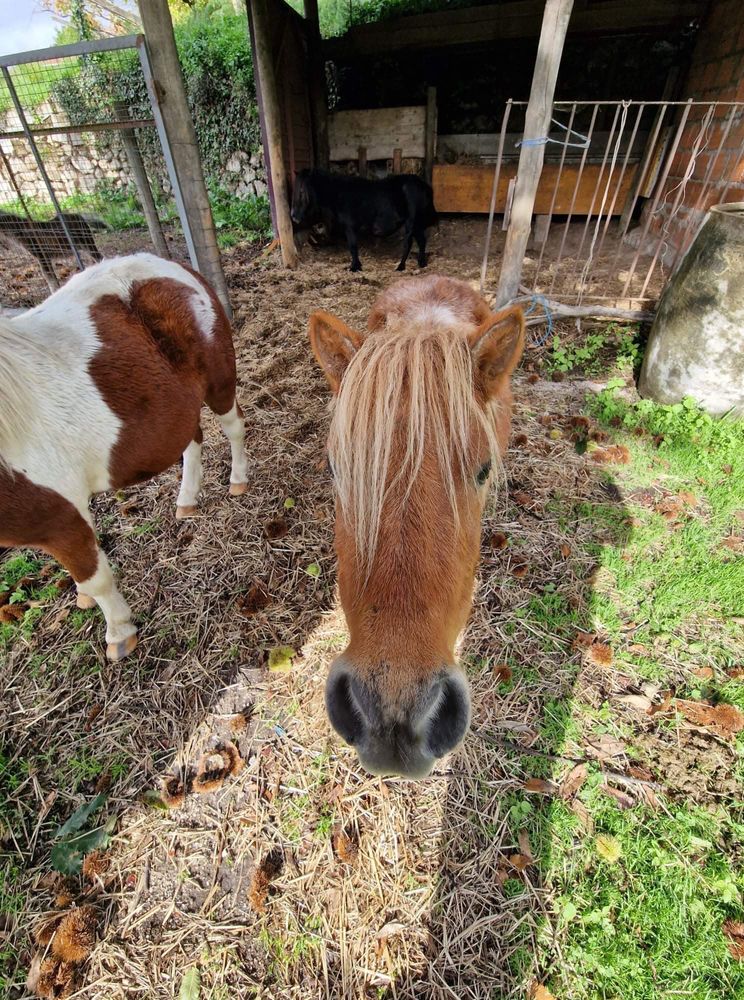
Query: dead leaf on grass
[[637, 701], [345, 846], [705, 672], [573, 781], [520, 861], [605, 747], [540, 992], [583, 815], [582, 640], [523, 839], [540, 786], [734, 931], [624, 800]]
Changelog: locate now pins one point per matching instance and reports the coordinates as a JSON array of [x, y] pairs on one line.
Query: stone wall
[[78, 164]]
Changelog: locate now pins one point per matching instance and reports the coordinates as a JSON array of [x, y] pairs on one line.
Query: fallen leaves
[[540, 992], [540, 786], [573, 782], [722, 719], [614, 454], [734, 931], [345, 845]]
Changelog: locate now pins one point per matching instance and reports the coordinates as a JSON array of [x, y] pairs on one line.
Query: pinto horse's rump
[[100, 387], [354, 206]]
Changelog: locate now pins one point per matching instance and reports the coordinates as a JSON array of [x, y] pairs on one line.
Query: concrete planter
[[696, 345]]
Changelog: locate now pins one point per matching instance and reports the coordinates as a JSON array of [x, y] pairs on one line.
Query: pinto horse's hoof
[[118, 650], [84, 601], [182, 512], [238, 489]]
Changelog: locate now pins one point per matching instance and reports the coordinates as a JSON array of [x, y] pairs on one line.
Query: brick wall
[[716, 74]]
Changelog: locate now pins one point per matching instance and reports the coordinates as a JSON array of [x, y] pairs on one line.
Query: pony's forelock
[[418, 383]]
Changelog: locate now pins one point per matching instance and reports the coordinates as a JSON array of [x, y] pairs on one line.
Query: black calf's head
[[304, 201]]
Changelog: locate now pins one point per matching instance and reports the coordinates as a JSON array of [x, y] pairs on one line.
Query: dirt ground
[[301, 876]]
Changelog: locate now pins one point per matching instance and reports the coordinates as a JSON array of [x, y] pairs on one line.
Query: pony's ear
[[334, 344], [497, 346]]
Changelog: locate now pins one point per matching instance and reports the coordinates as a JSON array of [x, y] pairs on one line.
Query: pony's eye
[[483, 473]]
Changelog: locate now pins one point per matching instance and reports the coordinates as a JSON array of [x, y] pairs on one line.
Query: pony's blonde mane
[[417, 382], [17, 351]]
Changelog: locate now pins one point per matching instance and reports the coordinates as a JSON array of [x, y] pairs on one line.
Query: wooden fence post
[[272, 119], [537, 126], [139, 176], [170, 92], [317, 82]]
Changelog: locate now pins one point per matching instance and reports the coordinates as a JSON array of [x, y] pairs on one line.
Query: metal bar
[[494, 192], [624, 167], [14, 182], [659, 188], [555, 193], [124, 126], [584, 155], [40, 164], [600, 175], [76, 49], [144, 58], [644, 168], [714, 158], [690, 170]]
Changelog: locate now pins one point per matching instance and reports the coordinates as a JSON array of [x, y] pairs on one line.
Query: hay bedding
[[300, 877]]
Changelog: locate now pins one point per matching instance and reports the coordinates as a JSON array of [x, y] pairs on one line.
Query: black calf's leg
[[407, 244], [420, 235], [351, 240]]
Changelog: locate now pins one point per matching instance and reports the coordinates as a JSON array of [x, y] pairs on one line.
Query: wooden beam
[[362, 161], [317, 85], [170, 93], [517, 19], [141, 182], [536, 125], [431, 132], [272, 121]]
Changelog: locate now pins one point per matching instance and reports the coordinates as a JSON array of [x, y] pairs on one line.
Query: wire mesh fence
[[625, 187], [83, 166]]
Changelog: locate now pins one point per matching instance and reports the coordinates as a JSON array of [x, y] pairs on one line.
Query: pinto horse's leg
[[74, 545], [101, 589], [191, 478], [234, 428]]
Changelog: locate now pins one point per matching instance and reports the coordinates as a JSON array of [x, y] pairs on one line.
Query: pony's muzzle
[[405, 737]]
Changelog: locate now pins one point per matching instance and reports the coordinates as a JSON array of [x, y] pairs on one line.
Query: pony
[[349, 206], [420, 419], [47, 241], [101, 387]]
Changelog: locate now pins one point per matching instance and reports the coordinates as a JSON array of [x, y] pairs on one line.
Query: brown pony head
[[421, 416]]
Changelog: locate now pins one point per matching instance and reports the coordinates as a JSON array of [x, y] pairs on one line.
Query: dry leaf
[[540, 992], [734, 931], [523, 499], [583, 815], [624, 800], [582, 640], [573, 781], [523, 839], [345, 846], [540, 786], [706, 673], [520, 861], [565, 550], [638, 701], [605, 747]]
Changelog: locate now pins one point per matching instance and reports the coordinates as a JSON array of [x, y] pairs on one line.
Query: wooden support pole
[[362, 161], [397, 160], [317, 85], [139, 176], [537, 125], [431, 133], [258, 13], [168, 91]]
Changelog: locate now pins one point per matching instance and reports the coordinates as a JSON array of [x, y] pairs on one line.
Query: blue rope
[[539, 340]]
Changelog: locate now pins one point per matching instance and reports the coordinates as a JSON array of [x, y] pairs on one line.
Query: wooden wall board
[[380, 130]]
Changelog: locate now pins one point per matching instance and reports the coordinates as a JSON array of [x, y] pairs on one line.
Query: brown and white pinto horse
[[101, 387], [421, 416]]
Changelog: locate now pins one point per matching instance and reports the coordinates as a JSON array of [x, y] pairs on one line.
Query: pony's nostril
[[342, 708], [449, 717]]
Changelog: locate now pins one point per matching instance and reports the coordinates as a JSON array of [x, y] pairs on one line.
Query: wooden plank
[[362, 161], [532, 151], [397, 157], [486, 144], [459, 188], [495, 22], [380, 130]]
